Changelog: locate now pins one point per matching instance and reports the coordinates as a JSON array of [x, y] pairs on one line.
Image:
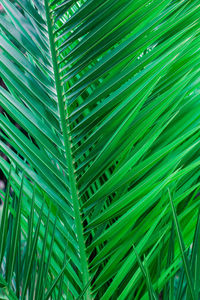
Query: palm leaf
[[107, 95]]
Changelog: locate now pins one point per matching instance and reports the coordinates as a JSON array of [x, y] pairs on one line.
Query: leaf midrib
[[69, 160]]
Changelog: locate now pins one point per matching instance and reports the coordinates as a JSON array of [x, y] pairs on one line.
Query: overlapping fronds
[[107, 95]]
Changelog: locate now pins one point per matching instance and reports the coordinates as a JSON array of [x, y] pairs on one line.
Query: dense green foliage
[[102, 182]]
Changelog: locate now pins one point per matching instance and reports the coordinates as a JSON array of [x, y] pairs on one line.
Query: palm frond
[[107, 95]]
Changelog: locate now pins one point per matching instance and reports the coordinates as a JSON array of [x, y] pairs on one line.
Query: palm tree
[[105, 170]]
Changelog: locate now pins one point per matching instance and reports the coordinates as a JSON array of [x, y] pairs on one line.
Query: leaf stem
[[67, 144]]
